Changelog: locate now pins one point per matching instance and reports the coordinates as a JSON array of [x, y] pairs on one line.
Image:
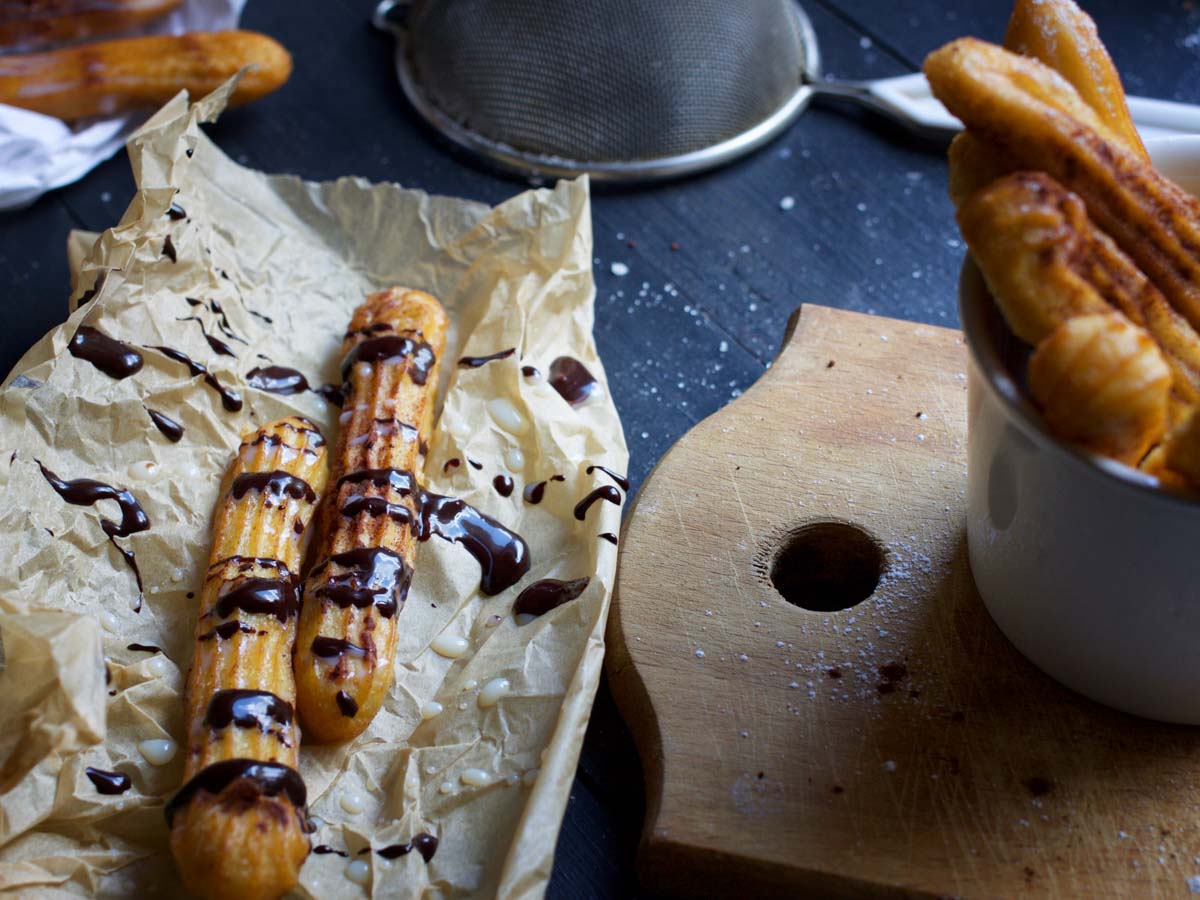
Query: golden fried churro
[[30, 23], [1026, 238], [1045, 261], [1065, 38], [238, 823], [1031, 113], [348, 634], [107, 77], [1102, 382]]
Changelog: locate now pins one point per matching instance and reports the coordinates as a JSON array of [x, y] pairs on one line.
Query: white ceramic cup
[[1089, 569]]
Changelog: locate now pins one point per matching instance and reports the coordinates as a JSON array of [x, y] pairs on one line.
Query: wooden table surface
[[684, 331]]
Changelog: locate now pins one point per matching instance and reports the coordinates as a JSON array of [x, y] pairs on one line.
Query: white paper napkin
[[40, 153]]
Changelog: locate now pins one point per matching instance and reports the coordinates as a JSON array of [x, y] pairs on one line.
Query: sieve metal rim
[[535, 165]]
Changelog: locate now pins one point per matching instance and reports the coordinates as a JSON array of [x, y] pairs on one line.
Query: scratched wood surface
[[897, 746]]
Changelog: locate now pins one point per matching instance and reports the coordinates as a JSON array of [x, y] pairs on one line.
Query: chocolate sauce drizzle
[[347, 704], [376, 507], [534, 493], [114, 358], [108, 782], [474, 464], [425, 844], [260, 779], [145, 648], [327, 648], [223, 322], [549, 593], [168, 250], [277, 380], [572, 380], [276, 484], [226, 630], [259, 595], [87, 492], [230, 399], [474, 362], [530, 371], [334, 394], [420, 355], [248, 709], [608, 536], [503, 555], [621, 481], [170, 429], [176, 212], [453, 463], [503, 485], [215, 344], [246, 563], [398, 480], [607, 492], [374, 576], [322, 849]]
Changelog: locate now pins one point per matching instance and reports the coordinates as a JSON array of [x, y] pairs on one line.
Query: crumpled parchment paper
[[39, 153], [304, 255]]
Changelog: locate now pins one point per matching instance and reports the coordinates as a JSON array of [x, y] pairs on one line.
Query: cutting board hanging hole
[[824, 566]]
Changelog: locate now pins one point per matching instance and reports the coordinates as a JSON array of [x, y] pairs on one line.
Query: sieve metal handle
[[908, 100]]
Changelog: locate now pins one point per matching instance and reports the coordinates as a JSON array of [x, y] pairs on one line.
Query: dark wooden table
[[686, 330]]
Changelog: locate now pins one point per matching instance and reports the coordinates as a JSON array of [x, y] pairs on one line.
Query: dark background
[[684, 331]]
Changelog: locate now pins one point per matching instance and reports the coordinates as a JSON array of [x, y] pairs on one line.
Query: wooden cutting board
[[899, 746]]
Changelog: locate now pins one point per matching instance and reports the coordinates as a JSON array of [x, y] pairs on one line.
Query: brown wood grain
[[795, 755]]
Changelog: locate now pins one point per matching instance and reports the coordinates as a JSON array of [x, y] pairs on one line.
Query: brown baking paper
[[304, 255]]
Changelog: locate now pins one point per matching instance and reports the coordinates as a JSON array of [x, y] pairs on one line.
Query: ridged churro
[[238, 824], [1102, 383], [348, 624], [1064, 37], [1037, 118], [1045, 261]]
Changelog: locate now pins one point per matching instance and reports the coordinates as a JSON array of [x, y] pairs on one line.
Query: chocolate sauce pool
[[114, 358], [572, 380], [170, 429], [549, 593], [108, 782], [277, 380]]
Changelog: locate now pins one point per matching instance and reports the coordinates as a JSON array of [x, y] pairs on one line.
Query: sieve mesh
[[606, 81]]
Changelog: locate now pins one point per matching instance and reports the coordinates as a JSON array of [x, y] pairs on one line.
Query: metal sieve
[[620, 89], [636, 90]]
